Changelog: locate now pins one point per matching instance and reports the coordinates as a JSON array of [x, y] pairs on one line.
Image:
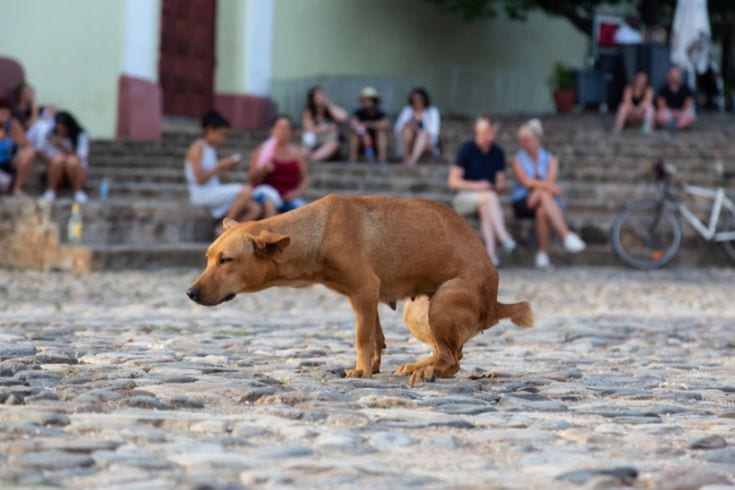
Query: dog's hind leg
[[453, 312], [416, 318]]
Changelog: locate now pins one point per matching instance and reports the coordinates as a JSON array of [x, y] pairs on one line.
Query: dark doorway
[[186, 62]]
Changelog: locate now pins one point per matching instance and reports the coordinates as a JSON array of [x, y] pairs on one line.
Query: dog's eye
[[224, 260]]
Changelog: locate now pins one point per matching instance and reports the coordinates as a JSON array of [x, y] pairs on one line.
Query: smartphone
[[237, 157]]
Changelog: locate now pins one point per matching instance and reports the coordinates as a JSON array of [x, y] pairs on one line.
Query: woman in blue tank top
[[536, 194]]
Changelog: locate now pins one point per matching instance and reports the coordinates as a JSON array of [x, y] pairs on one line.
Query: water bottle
[[74, 225], [104, 189]]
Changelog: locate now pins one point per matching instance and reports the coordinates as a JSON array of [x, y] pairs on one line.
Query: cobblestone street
[[118, 381]]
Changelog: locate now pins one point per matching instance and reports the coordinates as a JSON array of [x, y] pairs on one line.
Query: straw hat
[[369, 93]]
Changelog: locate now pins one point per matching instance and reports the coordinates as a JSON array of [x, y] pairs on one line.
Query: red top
[[285, 177]]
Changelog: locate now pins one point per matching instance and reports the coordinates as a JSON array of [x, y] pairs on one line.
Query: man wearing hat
[[369, 128]]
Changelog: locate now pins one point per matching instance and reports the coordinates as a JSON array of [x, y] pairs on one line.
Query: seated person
[[16, 153], [369, 127], [675, 102], [320, 121], [37, 121], [278, 171], [203, 168], [478, 176], [637, 105], [535, 192], [417, 128], [66, 150]]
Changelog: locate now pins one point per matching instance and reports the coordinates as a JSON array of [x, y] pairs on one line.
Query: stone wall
[[29, 239]]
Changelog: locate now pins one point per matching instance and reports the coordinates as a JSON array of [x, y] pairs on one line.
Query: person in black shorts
[[675, 102], [369, 126]]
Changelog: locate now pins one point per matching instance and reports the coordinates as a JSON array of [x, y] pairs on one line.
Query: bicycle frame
[[709, 231]]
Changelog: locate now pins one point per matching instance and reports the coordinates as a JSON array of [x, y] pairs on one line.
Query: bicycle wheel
[[728, 226], [646, 235]]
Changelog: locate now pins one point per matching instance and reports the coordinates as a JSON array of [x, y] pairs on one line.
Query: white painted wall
[[258, 41], [141, 38]]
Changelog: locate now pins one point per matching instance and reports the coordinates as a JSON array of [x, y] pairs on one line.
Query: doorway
[[187, 57]]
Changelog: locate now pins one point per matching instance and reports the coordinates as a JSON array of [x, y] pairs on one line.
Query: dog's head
[[239, 260]]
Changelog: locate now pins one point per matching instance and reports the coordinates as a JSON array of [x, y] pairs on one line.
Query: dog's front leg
[[366, 315]]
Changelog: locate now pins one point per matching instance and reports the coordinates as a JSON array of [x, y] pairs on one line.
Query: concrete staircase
[[148, 221]]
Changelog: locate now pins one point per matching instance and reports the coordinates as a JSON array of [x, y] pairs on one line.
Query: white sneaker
[[80, 197], [542, 260], [49, 196], [509, 246], [573, 244]]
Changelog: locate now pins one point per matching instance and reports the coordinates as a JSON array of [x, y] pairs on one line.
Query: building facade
[[121, 65]]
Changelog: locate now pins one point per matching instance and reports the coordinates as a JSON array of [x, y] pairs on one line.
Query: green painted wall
[[412, 39], [71, 51], [229, 72]]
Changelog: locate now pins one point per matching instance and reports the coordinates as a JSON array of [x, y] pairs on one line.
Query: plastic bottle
[[104, 189], [75, 226]]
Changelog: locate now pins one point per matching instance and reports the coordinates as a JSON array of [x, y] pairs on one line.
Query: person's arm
[[379, 125], [83, 146], [307, 122], [688, 100], [648, 98], [660, 101], [357, 125], [194, 157], [18, 135], [524, 179], [628, 95], [500, 181], [257, 173], [300, 190], [403, 118], [456, 181], [338, 114], [433, 123], [552, 175]]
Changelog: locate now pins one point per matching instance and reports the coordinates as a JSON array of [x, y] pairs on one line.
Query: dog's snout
[[193, 293]]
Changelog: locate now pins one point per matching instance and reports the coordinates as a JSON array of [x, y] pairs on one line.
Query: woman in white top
[[203, 169], [417, 128], [66, 149]]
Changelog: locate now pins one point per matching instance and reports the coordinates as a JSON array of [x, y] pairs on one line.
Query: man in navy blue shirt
[[477, 176]]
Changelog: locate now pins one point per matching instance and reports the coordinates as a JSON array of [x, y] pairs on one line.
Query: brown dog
[[371, 249]]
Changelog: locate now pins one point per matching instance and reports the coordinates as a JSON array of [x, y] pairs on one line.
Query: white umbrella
[[690, 36]]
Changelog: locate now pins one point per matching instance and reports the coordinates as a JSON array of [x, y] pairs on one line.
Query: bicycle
[[647, 234]]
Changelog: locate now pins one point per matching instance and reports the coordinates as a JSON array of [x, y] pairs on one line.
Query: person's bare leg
[[241, 203], [496, 216], [382, 146], [685, 120], [420, 145], [55, 171], [649, 115], [325, 151], [407, 137], [486, 225], [269, 208], [543, 232], [23, 163], [75, 171], [622, 116], [554, 213], [251, 213], [354, 144]]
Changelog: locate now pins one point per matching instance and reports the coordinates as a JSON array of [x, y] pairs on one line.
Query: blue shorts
[[265, 192]]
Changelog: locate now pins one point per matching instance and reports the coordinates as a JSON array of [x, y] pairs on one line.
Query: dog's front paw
[[425, 374], [358, 373]]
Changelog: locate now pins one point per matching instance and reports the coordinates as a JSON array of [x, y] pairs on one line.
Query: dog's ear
[[270, 244], [228, 223]]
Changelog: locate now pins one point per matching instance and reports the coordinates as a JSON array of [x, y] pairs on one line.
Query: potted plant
[[562, 82]]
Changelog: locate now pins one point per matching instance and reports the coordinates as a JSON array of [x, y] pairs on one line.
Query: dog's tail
[[520, 314]]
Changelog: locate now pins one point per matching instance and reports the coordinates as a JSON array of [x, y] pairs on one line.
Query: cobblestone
[[116, 380]]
